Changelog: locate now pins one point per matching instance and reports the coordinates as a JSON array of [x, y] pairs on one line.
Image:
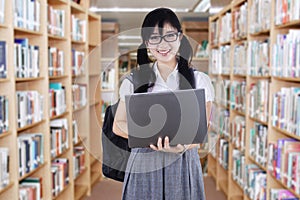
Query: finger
[[153, 147], [159, 144], [167, 143]]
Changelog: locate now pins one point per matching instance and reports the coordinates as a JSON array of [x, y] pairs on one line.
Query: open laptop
[[180, 115]]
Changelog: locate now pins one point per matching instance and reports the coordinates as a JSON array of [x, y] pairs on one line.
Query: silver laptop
[[180, 115]]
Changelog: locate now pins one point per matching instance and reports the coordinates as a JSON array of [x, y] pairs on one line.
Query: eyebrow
[[155, 33]]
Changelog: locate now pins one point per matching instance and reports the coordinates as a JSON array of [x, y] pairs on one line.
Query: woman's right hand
[[179, 148]]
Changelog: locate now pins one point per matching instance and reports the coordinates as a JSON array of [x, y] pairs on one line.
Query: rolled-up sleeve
[[126, 88]]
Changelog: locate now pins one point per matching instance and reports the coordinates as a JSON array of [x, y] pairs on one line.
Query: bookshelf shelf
[[3, 26], [81, 174], [284, 132], [63, 154], [54, 78], [5, 134], [19, 80], [78, 42], [62, 192], [78, 76], [283, 185], [25, 31], [80, 191], [58, 2], [59, 116], [291, 24], [259, 77], [240, 75], [290, 79], [95, 103], [75, 8], [82, 139], [54, 37], [33, 171], [261, 33], [259, 121], [236, 183], [79, 109], [30, 126], [6, 188], [4, 80], [239, 112], [258, 164]]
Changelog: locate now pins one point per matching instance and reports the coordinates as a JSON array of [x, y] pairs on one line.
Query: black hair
[[160, 17]]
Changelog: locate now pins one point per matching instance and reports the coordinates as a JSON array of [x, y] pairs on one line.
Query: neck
[[166, 68]]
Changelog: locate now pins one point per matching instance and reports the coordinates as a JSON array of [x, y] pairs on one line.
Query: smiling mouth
[[163, 52]]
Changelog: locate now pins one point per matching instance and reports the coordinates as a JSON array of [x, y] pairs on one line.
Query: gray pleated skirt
[[154, 175]]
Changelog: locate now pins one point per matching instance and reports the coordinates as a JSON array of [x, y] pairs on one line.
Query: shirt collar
[[157, 73]]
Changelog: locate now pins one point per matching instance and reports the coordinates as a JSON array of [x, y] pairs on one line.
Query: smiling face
[[164, 44]]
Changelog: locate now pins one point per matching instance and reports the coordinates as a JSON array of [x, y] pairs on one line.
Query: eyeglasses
[[170, 37]]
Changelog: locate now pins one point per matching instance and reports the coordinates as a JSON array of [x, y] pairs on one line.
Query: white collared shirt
[[172, 83]]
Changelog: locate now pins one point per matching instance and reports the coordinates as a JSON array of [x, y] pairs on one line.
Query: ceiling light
[[116, 9], [122, 44], [203, 6], [214, 10], [130, 37]]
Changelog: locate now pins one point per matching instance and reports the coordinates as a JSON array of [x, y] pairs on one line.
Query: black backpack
[[115, 148]]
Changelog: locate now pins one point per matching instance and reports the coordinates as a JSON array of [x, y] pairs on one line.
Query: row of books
[[212, 143], [31, 188], [282, 194], [60, 175], [56, 62], [79, 95], [259, 100], [78, 29], [31, 152], [259, 143], [286, 109], [57, 99], [238, 96], [2, 11], [78, 160], [108, 79], [75, 134], [77, 62], [220, 122], [214, 32], [26, 59], [56, 21], [284, 162], [240, 22], [4, 167], [30, 107], [238, 166], [286, 11], [3, 59], [255, 182], [240, 53], [27, 14], [220, 60], [223, 153], [261, 16], [225, 28], [258, 58], [238, 132], [4, 126], [59, 136], [286, 54]]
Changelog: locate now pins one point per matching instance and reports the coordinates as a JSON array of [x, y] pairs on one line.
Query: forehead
[[166, 28]]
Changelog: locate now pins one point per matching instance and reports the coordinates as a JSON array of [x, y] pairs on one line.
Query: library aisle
[[112, 190]]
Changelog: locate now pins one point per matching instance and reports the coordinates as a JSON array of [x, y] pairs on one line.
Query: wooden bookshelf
[[87, 122], [263, 32]]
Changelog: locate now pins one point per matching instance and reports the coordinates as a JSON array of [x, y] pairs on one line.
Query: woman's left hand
[[167, 148]]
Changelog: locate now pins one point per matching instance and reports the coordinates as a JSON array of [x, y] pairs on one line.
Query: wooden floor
[[108, 189]]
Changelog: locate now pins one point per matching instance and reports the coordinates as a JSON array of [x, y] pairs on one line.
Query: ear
[[180, 36]]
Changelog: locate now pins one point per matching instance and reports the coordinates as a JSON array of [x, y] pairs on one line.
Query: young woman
[[160, 171]]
